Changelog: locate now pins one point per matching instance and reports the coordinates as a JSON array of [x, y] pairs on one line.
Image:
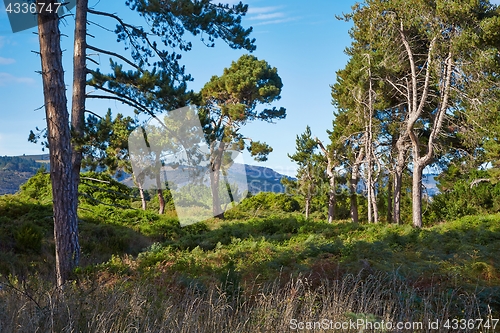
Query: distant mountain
[[16, 170], [259, 179]]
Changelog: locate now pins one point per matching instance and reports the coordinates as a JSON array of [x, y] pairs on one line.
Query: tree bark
[[161, 199], [398, 179], [79, 85], [143, 197], [308, 206], [417, 195], [353, 186], [215, 165], [390, 188], [59, 138], [332, 200], [401, 147], [370, 154], [330, 172], [369, 173]]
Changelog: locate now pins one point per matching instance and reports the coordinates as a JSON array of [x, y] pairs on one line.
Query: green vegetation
[[258, 269]]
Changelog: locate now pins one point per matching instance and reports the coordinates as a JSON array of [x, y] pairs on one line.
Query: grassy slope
[[459, 253], [251, 252]]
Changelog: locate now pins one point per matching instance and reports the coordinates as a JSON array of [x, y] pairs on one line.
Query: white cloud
[[6, 79], [6, 61], [268, 15], [262, 10], [288, 19]]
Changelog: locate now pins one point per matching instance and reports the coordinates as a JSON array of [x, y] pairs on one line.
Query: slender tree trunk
[[143, 197], [353, 186], [390, 188], [330, 172], [215, 179], [369, 180], [374, 203], [417, 195], [332, 200], [370, 154], [308, 206], [161, 199], [398, 179], [59, 138], [79, 85]]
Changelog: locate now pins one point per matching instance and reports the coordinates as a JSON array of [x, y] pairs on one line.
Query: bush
[[28, 238], [462, 200], [38, 187], [269, 201], [99, 188]]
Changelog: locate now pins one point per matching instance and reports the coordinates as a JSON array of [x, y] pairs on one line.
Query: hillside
[[16, 170], [255, 273], [14, 174]]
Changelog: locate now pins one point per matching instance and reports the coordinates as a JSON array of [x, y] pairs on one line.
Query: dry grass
[[132, 306]]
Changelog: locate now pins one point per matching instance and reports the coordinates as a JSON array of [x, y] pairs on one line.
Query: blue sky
[[302, 39]]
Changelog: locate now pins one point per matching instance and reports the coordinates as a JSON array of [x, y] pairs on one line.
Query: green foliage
[[265, 201], [230, 101], [38, 187], [241, 252], [99, 188], [311, 168], [464, 198], [105, 143], [28, 237]]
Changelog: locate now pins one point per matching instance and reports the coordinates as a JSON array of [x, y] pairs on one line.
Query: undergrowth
[[144, 272]]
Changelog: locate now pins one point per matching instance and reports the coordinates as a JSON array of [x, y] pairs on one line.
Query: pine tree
[[229, 102]]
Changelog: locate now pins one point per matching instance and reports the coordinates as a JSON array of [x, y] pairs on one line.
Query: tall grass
[[132, 306]]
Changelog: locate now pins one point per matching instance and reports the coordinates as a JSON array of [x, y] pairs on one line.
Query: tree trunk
[[401, 148], [373, 197], [390, 185], [369, 172], [417, 195], [398, 178], [161, 199], [353, 186], [370, 154], [59, 138], [330, 171], [143, 197], [308, 206], [332, 199], [79, 85], [214, 180], [214, 185]]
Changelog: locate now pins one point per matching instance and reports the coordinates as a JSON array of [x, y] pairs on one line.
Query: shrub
[[28, 238], [270, 201], [462, 200], [99, 188], [38, 187]]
